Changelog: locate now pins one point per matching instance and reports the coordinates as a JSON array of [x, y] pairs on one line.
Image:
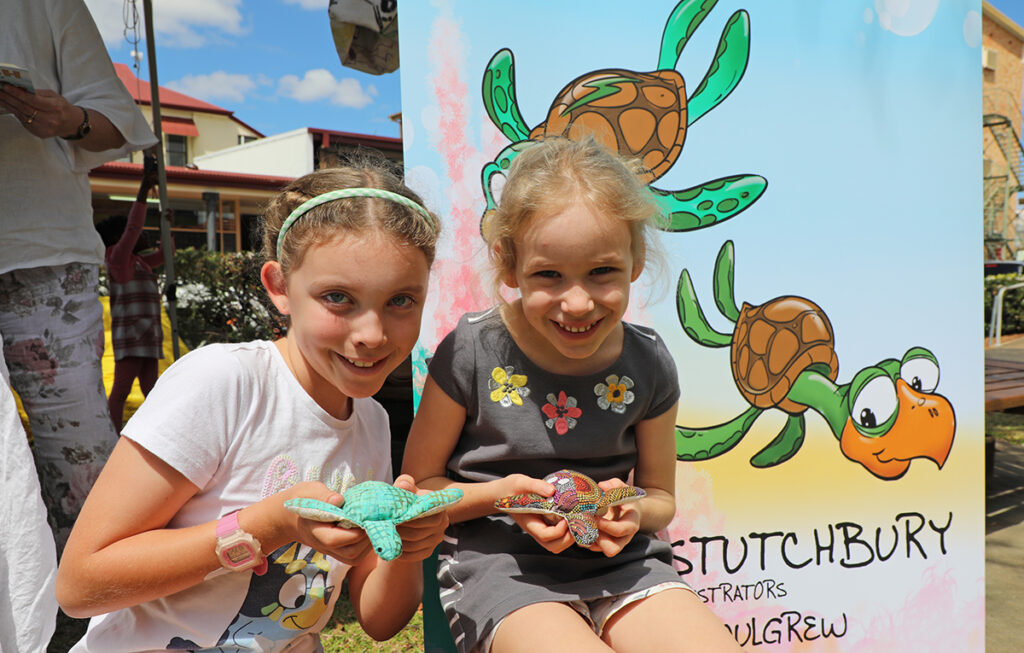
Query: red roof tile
[[125, 170]]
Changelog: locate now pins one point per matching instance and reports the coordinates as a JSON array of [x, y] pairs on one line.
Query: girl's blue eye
[[337, 298], [402, 301], [604, 269], [547, 274]]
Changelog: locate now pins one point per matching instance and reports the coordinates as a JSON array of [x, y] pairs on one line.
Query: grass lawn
[[1008, 427]]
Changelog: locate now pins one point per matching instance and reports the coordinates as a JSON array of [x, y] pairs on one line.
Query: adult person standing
[[51, 320]]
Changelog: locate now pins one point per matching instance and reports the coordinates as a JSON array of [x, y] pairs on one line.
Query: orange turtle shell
[[773, 343], [640, 115]]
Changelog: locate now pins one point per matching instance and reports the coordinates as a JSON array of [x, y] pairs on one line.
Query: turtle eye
[[921, 374], [875, 405]]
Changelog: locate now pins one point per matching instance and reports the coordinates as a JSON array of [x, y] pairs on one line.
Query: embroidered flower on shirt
[[614, 393], [561, 412], [507, 388]]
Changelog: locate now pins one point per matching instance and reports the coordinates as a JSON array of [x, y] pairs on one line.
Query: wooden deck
[[1004, 384]]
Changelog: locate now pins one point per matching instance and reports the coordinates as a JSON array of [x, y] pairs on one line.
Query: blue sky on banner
[[272, 62]]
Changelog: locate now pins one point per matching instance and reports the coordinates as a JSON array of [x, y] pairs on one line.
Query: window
[[177, 150], [243, 139]]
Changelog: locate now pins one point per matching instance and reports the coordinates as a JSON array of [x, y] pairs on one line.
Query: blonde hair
[[554, 172], [324, 222]]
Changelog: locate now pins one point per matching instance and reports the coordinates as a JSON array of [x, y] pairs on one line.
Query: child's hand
[[554, 537], [420, 536], [617, 526], [349, 545]]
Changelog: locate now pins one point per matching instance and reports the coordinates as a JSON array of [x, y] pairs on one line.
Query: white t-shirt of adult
[[235, 422], [45, 199]]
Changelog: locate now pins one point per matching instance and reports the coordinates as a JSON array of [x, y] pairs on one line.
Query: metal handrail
[[995, 325]]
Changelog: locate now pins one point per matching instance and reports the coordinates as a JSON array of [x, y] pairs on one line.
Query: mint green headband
[[342, 193]]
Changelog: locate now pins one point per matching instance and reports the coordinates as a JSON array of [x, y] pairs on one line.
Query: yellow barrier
[[135, 397]]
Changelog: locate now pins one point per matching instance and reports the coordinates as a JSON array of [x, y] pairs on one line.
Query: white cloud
[[309, 4], [218, 85], [181, 23], [319, 84]]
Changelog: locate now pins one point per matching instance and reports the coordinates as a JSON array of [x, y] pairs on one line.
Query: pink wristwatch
[[237, 549]]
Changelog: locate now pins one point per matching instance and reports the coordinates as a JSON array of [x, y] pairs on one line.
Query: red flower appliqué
[[561, 412]]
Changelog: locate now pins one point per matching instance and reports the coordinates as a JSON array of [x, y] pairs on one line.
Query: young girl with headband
[[557, 380], [184, 542]]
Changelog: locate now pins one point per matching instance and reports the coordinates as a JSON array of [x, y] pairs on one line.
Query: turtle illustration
[[377, 508], [577, 499], [783, 356], [642, 116]]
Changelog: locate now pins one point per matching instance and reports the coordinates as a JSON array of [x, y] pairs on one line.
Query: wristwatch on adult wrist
[[236, 549], [83, 128]]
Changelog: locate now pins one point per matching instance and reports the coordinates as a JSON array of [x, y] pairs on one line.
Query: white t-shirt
[[45, 200], [234, 420]]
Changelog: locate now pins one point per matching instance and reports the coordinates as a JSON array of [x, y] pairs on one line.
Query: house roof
[[141, 93], [328, 136], [125, 170]]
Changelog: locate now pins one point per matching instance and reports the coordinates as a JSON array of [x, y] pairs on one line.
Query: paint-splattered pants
[[52, 326]]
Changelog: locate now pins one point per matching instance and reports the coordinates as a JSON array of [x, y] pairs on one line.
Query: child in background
[[184, 542], [553, 380], [135, 321]]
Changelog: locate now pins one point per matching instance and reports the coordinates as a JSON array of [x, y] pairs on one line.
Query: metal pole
[[170, 292]]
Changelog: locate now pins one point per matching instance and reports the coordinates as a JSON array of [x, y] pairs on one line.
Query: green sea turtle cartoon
[[377, 508], [578, 499], [642, 116], [783, 356]]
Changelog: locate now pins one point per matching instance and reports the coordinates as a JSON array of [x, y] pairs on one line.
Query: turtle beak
[[924, 428]]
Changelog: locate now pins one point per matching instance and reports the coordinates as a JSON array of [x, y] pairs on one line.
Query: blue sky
[[272, 62]]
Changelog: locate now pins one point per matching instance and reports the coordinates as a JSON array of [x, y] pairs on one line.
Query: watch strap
[[84, 128], [227, 525]]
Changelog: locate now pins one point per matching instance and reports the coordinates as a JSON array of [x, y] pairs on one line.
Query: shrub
[[1013, 302], [220, 298]]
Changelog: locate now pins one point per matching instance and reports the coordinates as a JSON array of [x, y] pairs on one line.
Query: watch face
[[239, 553]]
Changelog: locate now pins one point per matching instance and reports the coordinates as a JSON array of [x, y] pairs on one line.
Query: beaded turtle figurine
[[577, 499], [377, 508]]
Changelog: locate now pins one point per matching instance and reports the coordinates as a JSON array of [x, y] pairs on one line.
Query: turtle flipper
[[615, 496], [525, 502], [784, 446], [384, 538], [708, 203], [680, 26], [726, 68], [499, 90], [314, 509], [429, 504], [691, 317], [703, 444], [583, 526], [725, 296], [500, 167]]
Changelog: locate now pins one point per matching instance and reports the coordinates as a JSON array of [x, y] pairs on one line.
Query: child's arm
[[655, 472], [121, 553], [386, 594], [432, 438]]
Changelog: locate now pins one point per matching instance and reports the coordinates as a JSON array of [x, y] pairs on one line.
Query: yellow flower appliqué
[[614, 393], [507, 388]]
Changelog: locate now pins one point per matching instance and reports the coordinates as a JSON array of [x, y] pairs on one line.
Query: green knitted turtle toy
[[377, 508]]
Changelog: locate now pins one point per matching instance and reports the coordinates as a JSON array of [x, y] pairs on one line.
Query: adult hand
[[45, 113]]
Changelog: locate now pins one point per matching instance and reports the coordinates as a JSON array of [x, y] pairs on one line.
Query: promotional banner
[[819, 167]]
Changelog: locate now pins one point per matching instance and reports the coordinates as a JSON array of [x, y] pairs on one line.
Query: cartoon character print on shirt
[[289, 598]]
